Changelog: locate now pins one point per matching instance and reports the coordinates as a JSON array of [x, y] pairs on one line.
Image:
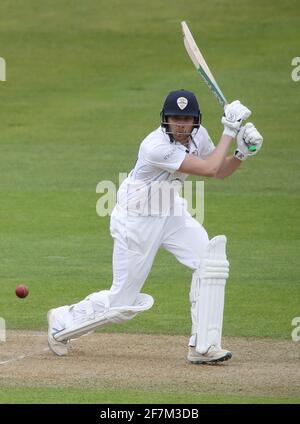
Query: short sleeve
[[164, 156], [207, 146]]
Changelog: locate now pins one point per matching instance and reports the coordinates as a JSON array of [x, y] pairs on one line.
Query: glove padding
[[249, 142], [234, 114]]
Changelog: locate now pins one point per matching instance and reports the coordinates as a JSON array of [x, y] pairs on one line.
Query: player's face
[[181, 127]]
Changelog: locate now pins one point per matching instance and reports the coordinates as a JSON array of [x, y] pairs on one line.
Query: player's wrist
[[229, 132], [241, 156]]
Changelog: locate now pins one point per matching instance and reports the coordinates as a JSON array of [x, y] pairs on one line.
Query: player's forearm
[[228, 167], [218, 156], [210, 166]]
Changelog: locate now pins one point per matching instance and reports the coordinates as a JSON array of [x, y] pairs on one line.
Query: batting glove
[[249, 142], [234, 114]]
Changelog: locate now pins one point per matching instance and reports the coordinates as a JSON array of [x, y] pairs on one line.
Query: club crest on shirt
[[182, 102]]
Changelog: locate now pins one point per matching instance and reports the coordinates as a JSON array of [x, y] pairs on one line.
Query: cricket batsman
[[143, 221]]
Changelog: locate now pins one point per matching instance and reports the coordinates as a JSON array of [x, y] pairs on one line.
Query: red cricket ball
[[22, 290]]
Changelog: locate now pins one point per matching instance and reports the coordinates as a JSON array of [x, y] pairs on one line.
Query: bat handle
[[251, 148]]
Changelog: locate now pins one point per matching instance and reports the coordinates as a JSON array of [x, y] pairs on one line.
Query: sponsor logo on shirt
[[170, 153]]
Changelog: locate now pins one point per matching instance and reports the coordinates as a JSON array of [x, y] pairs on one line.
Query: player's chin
[[181, 137]]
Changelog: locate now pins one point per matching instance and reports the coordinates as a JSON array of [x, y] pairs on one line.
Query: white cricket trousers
[[136, 242]]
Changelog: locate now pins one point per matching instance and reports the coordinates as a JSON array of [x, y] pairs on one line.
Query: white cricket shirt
[[155, 174]]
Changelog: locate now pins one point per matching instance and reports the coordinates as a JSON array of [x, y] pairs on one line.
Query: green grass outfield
[[70, 395], [85, 83]]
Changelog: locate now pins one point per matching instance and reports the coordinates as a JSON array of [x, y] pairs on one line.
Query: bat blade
[[202, 67], [200, 64]]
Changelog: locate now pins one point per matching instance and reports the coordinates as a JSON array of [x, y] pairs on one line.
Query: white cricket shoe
[[59, 348], [212, 356]]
